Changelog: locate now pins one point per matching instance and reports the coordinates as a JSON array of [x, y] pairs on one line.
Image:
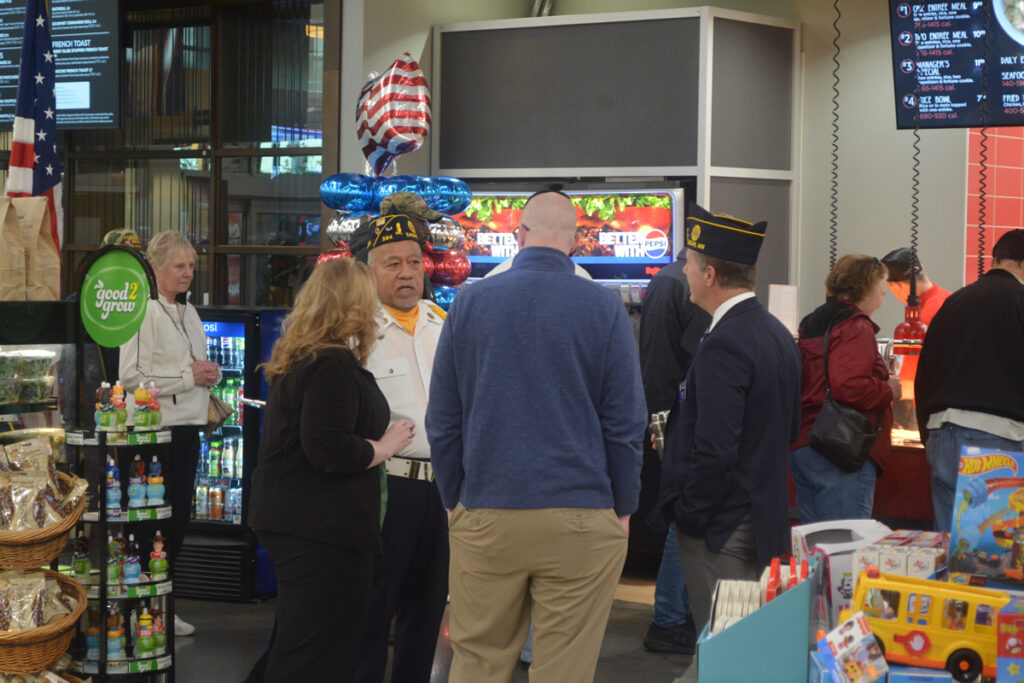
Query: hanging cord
[[982, 198], [833, 235], [983, 157], [915, 189]]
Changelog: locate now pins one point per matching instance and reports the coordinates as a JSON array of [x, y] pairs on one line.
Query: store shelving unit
[[159, 666]]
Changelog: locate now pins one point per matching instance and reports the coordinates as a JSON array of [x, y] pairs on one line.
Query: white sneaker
[[182, 627]]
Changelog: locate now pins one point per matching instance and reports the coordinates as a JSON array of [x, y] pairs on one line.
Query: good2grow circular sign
[[114, 295]]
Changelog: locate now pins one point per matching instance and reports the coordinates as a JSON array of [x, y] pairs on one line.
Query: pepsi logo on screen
[[654, 243]]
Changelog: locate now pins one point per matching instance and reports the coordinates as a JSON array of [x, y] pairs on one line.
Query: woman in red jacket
[[858, 377]]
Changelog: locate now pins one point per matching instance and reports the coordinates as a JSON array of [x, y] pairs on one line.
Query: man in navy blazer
[[724, 477]]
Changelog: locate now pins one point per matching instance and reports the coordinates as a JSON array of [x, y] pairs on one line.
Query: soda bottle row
[[228, 390], [221, 457], [218, 503], [228, 352]]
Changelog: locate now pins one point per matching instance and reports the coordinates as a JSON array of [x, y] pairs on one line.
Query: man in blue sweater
[[535, 421]]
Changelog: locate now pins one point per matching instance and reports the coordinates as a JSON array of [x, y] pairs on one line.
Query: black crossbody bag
[[841, 434]]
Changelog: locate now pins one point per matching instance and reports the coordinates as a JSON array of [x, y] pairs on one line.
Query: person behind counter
[[857, 377], [169, 350], [900, 263], [318, 488]]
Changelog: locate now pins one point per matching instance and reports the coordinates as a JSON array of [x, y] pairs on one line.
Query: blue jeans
[[943, 452], [671, 603], [526, 654], [824, 492]]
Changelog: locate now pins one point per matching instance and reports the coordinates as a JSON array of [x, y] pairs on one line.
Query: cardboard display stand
[[778, 635]]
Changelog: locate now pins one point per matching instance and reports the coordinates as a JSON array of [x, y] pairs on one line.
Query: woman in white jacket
[[169, 350]]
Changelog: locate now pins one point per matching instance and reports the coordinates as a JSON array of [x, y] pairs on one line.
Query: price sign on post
[[114, 295]]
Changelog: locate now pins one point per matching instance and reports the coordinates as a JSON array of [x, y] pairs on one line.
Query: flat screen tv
[[621, 234], [87, 57], [958, 64]]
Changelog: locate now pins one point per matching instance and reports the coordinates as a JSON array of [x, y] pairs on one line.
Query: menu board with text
[[958, 64], [86, 50]]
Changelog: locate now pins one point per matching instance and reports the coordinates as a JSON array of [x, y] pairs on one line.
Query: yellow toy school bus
[[931, 624]]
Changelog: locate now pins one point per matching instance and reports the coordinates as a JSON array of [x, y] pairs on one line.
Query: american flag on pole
[[35, 164]]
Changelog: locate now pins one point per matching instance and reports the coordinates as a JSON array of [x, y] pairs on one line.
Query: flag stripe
[[35, 167], [393, 113]]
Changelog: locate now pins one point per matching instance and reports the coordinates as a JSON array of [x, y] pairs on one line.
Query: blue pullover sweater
[[535, 397]]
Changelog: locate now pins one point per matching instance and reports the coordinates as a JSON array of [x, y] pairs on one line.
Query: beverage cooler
[[221, 558]]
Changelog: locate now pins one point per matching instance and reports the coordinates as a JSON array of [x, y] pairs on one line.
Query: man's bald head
[[549, 220]]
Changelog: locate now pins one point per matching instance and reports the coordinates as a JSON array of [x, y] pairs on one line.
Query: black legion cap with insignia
[[395, 228], [724, 237]]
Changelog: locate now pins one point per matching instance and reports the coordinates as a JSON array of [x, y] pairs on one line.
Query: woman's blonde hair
[[853, 276], [334, 309], [164, 245]]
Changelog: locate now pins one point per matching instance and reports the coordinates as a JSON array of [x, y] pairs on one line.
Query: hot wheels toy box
[[986, 545]]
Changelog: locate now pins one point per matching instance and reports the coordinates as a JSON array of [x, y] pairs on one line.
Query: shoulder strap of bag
[[824, 363], [824, 354], [188, 342]]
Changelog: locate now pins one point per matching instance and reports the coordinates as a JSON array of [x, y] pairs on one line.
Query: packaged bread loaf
[[33, 455], [31, 599], [21, 600], [41, 677]]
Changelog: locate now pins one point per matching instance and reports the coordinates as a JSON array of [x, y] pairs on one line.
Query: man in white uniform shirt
[[412, 580]]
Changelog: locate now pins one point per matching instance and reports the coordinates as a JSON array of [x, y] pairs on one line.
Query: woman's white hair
[[164, 245]]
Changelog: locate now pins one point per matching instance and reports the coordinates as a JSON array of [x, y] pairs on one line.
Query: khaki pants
[[565, 561]]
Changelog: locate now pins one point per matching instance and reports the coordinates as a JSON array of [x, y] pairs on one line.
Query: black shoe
[[681, 639]]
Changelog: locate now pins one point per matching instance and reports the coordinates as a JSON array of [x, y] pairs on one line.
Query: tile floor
[[231, 636]]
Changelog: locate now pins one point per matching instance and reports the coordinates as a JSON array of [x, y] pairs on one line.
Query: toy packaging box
[[852, 654], [1010, 643], [987, 539], [906, 552], [835, 542]]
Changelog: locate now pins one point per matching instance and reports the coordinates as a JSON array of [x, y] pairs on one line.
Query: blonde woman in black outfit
[[317, 498]]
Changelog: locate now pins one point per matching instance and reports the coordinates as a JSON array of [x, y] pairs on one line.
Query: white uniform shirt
[[401, 364]]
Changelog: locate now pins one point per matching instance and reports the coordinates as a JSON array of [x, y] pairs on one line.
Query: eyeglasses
[[515, 231]]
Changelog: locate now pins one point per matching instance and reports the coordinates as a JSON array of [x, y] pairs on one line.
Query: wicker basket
[[38, 547], [23, 652]]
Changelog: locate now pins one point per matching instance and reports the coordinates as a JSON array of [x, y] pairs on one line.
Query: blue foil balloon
[[445, 295], [348, 192], [397, 183], [449, 195]]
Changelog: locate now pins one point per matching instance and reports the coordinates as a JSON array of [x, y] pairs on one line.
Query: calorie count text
[[935, 31]]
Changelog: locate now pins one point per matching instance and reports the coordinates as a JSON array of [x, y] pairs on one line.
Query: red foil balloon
[[341, 251], [429, 264], [453, 269]]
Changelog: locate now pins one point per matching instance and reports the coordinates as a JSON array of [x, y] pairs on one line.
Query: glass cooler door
[[220, 474]]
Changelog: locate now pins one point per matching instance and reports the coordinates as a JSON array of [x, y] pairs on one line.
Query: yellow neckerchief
[[407, 319]]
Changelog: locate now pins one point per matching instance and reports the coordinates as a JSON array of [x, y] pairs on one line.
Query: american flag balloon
[[393, 114]]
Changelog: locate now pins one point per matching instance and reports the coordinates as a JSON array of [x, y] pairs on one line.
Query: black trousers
[[410, 581], [179, 482], [323, 598]]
